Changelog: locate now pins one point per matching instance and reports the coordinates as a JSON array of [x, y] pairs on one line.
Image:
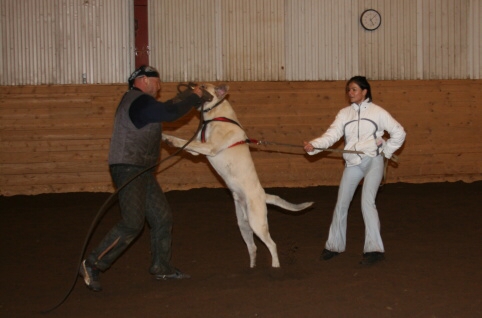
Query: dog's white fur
[[236, 167]]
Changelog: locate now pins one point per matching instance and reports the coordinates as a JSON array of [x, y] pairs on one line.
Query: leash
[[101, 212], [270, 143], [394, 158]]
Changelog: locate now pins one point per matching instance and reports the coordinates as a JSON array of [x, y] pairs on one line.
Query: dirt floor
[[432, 235]]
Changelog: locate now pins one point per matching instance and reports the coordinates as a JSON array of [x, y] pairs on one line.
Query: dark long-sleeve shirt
[[146, 109]]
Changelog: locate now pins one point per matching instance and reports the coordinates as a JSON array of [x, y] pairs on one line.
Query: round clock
[[370, 19]]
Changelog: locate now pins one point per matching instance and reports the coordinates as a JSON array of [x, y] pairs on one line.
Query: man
[[134, 147]]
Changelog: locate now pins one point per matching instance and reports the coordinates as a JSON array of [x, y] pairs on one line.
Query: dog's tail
[[276, 200]]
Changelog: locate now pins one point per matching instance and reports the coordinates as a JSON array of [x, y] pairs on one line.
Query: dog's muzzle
[[188, 90]]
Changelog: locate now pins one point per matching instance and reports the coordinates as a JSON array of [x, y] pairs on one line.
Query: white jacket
[[363, 127]]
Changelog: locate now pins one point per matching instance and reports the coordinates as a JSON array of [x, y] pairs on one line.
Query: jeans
[[142, 199], [371, 169]]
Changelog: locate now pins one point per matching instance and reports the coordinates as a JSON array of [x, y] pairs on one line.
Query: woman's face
[[355, 93]]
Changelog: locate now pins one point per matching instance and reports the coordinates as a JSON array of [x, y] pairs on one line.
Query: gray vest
[[130, 145]]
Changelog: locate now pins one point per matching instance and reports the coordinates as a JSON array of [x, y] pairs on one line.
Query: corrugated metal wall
[[58, 41], [474, 42], [217, 39], [66, 41], [322, 39]]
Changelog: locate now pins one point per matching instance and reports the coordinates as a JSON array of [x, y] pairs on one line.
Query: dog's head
[[218, 93]]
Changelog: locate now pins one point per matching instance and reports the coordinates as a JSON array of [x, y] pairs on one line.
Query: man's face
[[152, 86]]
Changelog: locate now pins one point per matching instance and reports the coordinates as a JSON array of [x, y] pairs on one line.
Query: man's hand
[[197, 90]]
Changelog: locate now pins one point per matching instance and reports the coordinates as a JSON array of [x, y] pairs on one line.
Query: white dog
[[224, 142]]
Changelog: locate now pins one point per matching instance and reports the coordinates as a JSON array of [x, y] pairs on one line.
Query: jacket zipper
[[358, 127]]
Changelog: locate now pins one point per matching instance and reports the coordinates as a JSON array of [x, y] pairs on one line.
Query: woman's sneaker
[[372, 258], [327, 254]]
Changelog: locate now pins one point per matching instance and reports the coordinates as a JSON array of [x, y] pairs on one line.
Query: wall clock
[[370, 19]]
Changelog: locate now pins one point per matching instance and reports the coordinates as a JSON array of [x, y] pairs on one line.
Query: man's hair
[[144, 70]]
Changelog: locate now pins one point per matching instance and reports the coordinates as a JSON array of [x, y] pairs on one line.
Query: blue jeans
[[142, 199], [371, 170]]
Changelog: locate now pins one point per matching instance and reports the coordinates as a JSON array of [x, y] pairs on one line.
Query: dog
[[225, 144]]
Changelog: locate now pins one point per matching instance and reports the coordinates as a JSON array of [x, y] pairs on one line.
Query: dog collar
[[215, 105]]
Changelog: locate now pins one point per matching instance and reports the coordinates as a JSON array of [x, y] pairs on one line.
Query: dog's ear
[[221, 90]]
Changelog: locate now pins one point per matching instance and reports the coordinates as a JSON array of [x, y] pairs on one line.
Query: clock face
[[370, 19]]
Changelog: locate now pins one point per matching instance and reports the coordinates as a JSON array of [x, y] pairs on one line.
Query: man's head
[[146, 78]]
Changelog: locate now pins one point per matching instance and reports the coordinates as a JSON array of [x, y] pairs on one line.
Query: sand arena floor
[[432, 235]]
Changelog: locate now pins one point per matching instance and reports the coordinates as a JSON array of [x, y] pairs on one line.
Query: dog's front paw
[[165, 137], [192, 152], [170, 140]]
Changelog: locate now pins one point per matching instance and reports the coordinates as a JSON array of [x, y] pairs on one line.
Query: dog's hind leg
[[246, 231], [258, 220]]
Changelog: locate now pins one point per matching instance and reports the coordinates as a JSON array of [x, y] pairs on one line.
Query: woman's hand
[[308, 147]]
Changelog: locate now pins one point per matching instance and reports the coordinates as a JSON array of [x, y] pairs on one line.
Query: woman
[[362, 124]]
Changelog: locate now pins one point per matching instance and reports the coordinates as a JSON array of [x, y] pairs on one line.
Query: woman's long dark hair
[[363, 83]]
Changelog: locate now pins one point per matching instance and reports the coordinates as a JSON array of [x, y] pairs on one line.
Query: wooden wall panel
[[56, 138]]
